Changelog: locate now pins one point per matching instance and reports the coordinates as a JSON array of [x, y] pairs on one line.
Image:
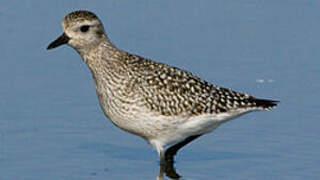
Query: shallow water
[[51, 126]]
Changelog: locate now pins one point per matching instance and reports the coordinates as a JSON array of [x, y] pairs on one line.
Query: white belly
[[182, 128]]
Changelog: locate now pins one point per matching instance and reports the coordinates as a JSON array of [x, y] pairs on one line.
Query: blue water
[[51, 126]]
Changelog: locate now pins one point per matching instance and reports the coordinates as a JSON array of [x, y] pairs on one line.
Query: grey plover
[[162, 104]]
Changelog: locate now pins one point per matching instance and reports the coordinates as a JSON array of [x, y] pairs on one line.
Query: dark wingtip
[[265, 103]]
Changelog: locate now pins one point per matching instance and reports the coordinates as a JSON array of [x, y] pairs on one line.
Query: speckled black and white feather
[[172, 91]]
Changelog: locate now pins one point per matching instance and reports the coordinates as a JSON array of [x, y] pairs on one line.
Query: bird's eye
[[84, 28]]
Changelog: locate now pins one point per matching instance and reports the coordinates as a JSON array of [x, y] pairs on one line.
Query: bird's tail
[[265, 104]]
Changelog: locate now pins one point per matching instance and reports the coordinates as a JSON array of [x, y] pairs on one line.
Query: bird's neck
[[105, 61], [98, 55]]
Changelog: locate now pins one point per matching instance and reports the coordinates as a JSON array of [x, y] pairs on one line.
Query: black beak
[[63, 39]]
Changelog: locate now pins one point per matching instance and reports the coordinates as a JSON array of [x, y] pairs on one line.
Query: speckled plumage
[[80, 16], [160, 103], [171, 91]]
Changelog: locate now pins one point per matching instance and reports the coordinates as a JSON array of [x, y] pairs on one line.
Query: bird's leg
[[168, 160], [172, 151], [162, 157], [162, 170]]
